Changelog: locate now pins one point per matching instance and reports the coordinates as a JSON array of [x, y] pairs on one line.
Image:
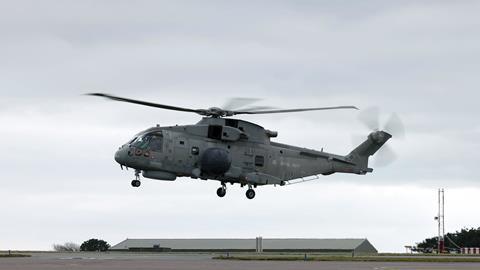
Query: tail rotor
[[370, 117]]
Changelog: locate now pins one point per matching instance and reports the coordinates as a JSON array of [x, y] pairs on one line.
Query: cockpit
[[151, 141]]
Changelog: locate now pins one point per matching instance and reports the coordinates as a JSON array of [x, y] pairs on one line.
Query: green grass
[[350, 258]]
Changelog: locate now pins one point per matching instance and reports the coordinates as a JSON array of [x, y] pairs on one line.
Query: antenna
[[441, 221]]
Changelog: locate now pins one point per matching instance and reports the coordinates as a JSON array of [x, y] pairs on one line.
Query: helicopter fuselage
[[235, 151]]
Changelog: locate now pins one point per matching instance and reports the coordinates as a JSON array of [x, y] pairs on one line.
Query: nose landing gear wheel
[[221, 191], [250, 193], [136, 183]]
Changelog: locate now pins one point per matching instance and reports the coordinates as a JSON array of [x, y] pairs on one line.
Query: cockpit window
[[153, 142], [142, 142], [132, 140]]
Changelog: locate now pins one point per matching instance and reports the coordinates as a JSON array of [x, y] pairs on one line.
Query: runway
[[145, 261]]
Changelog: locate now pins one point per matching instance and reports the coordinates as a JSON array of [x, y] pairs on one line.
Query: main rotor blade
[[145, 103], [295, 110], [238, 102], [257, 108]]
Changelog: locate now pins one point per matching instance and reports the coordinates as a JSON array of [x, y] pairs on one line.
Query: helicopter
[[233, 151]]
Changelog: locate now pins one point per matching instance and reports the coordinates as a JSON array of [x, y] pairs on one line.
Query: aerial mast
[[441, 221]]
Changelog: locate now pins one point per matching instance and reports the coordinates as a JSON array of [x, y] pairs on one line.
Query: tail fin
[[360, 155]]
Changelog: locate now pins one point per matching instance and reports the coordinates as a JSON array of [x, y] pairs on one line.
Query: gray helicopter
[[233, 150]]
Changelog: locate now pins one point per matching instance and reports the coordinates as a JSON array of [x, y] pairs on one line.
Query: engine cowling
[[215, 161]]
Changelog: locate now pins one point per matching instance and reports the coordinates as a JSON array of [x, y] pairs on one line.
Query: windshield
[[152, 141]]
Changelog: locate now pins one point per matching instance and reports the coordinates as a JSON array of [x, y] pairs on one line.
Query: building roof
[[197, 243], [248, 243], [302, 243]]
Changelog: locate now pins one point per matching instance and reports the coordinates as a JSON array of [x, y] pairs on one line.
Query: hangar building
[[258, 244]]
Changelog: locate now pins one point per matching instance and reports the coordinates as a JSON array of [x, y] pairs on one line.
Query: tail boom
[[359, 156]]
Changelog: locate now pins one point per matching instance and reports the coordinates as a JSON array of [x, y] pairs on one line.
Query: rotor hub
[[217, 112]]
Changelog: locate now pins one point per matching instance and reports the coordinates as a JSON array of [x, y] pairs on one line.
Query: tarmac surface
[[144, 261]]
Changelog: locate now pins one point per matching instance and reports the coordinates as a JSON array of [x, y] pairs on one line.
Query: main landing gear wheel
[[221, 191], [250, 193], [136, 183]]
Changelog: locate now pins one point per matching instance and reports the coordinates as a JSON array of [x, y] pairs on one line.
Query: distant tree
[[94, 245], [463, 238], [67, 247], [428, 243]]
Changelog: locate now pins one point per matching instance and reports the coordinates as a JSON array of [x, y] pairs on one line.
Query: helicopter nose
[[121, 155]]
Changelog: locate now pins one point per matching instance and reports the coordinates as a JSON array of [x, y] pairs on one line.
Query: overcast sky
[[59, 181]]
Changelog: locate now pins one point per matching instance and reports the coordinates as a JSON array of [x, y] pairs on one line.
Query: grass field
[[371, 258]]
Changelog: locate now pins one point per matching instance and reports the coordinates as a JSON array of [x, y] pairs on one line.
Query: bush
[[94, 245], [67, 247], [463, 238]]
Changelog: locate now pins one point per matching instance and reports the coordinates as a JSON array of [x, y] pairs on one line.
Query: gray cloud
[[419, 59]]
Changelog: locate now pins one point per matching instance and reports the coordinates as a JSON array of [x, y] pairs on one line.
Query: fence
[[470, 250]]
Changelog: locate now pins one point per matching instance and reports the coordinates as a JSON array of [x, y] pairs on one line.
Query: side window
[[259, 160], [215, 132], [156, 143]]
